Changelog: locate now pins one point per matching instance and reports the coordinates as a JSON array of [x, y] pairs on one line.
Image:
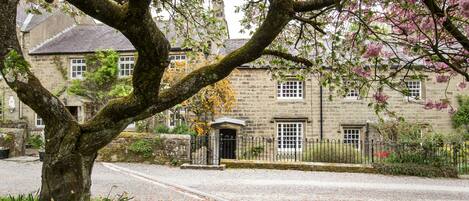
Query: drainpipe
[[321, 115]]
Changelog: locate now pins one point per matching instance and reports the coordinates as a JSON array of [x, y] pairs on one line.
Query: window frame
[[356, 142], [75, 65], [354, 91], [175, 117], [297, 142], [300, 90], [420, 90], [130, 62], [36, 118], [173, 60]]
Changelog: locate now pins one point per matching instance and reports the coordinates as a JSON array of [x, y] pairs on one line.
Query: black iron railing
[[210, 150]]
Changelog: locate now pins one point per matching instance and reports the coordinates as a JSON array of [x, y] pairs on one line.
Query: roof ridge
[[53, 38]]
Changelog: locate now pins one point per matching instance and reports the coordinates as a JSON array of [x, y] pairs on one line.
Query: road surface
[[153, 182]]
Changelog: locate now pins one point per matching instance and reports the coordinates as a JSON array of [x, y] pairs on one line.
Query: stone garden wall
[[163, 149], [18, 133]]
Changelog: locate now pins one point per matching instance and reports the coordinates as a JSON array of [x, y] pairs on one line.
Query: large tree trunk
[[67, 179]]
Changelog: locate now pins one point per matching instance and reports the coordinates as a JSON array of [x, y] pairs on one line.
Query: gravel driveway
[[152, 182]]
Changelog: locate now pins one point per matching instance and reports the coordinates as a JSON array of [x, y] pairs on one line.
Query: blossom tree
[[71, 147], [369, 44]]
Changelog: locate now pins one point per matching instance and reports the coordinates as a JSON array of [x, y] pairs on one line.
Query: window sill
[[290, 99]]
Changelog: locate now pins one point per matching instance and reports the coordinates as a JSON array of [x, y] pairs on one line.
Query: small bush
[[182, 129], [162, 129], [143, 147], [333, 153], [461, 117], [36, 141], [420, 170]]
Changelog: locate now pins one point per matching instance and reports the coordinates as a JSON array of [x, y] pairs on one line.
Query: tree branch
[[448, 24], [310, 5], [288, 57], [18, 76]]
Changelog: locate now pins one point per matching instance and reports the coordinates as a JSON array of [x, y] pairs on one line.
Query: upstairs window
[[290, 90], [77, 68], [126, 66], [39, 122], [415, 89], [177, 59], [352, 94], [289, 136]]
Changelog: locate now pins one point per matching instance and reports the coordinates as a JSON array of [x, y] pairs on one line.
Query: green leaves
[[461, 117], [14, 61]]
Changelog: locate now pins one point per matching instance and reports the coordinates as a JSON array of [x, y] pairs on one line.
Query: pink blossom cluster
[[373, 50], [464, 6], [442, 78], [436, 105], [362, 72], [380, 97], [462, 85]]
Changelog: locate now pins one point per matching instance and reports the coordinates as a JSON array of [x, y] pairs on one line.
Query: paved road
[[151, 182]]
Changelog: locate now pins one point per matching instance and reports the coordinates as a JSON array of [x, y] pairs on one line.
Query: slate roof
[[231, 45], [85, 39], [90, 38], [27, 21]]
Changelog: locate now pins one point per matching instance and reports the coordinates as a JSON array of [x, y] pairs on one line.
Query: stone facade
[[257, 101], [258, 104]]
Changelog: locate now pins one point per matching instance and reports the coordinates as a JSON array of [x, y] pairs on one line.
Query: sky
[[233, 18]]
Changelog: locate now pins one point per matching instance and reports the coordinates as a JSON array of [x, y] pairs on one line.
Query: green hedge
[[334, 153], [420, 170]]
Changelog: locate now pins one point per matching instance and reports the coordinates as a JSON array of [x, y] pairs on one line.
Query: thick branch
[[288, 57], [448, 24], [310, 5], [106, 11]]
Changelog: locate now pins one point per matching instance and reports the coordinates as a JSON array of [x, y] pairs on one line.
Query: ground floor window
[[289, 136], [352, 136]]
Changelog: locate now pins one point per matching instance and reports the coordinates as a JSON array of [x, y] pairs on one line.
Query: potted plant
[[5, 150], [37, 142]]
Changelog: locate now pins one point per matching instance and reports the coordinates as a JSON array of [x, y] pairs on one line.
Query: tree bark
[[67, 179]]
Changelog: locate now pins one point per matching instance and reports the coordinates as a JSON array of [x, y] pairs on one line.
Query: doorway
[[227, 143], [74, 111]]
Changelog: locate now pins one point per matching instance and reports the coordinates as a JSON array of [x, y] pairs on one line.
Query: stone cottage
[[289, 111]]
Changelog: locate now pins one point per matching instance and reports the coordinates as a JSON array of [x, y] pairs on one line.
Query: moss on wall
[[147, 148]]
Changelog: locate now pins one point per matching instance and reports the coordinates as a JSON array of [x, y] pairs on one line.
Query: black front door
[[74, 111], [228, 143]]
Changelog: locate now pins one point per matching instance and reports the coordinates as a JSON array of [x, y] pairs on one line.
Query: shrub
[[36, 141], [461, 117], [332, 153], [420, 170], [182, 129], [143, 147], [162, 129]]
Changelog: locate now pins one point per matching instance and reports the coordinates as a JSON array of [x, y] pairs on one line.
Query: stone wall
[[164, 149], [19, 132]]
